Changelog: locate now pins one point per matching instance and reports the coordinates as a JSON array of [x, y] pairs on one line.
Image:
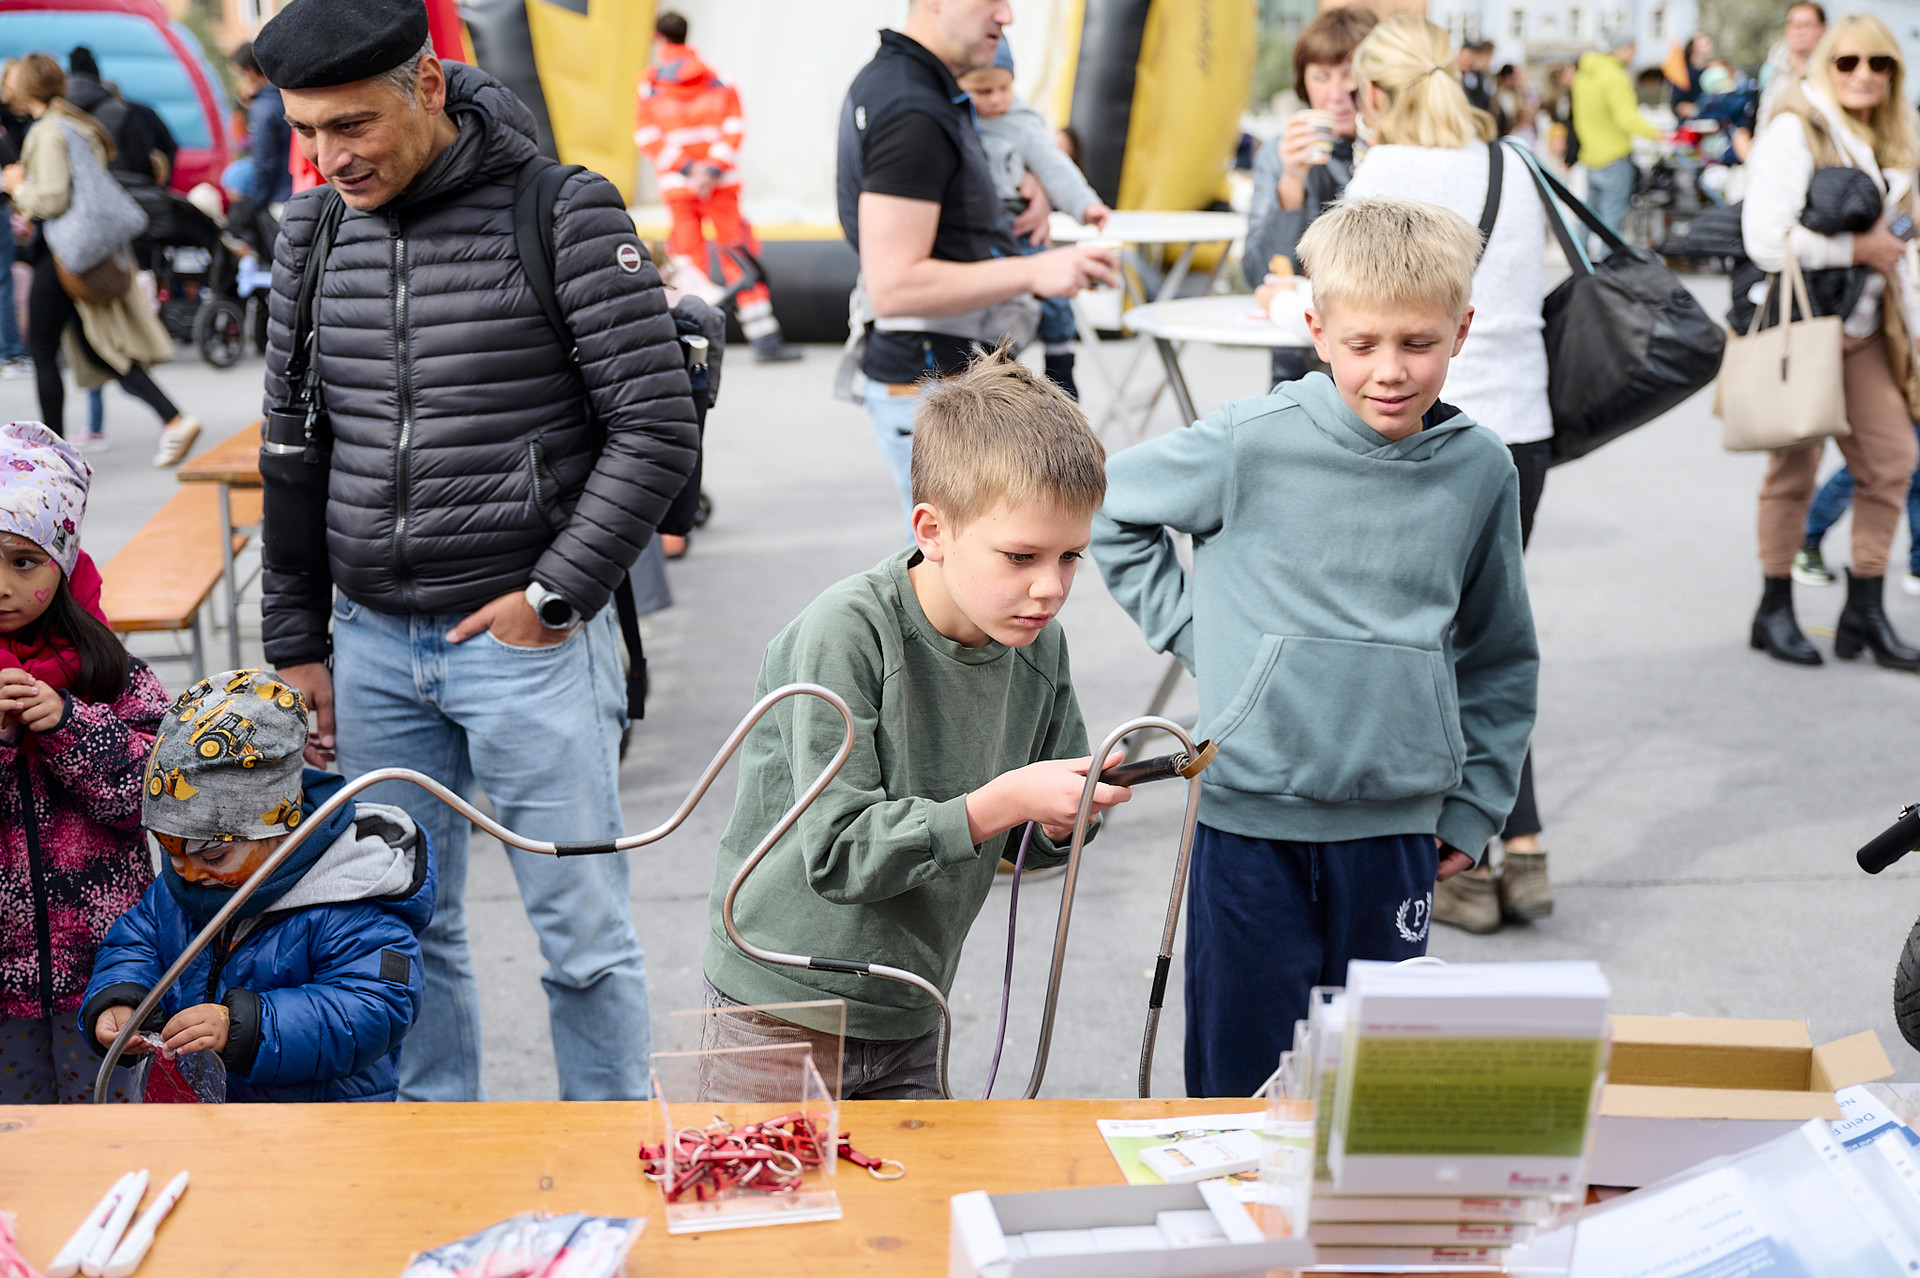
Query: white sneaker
[[1910, 584], [175, 441], [14, 369]]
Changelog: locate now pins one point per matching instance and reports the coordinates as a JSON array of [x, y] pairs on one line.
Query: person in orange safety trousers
[[689, 124]]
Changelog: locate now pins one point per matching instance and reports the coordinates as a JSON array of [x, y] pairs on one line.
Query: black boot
[[1863, 623], [1060, 373], [1774, 629]]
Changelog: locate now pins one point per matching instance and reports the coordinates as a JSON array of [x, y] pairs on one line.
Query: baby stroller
[[197, 277]]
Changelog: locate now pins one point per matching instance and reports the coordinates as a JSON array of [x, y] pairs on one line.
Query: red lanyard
[[770, 1156]]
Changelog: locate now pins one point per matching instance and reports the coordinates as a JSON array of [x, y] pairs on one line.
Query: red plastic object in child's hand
[[166, 1085]]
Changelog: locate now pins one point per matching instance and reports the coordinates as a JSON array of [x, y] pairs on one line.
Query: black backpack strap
[[302, 422], [1490, 211], [533, 199], [302, 368], [535, 192]]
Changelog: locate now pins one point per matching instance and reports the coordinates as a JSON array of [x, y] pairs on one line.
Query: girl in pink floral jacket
[[77, 721]]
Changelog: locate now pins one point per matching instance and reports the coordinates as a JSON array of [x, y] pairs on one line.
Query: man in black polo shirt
[[939, 270]]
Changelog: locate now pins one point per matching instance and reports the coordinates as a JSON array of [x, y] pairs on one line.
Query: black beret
[[315, 44]]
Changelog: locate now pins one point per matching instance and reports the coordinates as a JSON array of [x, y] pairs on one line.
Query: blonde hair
[[1891, 131], [1411, 61], [1392, 253], [997, 432]]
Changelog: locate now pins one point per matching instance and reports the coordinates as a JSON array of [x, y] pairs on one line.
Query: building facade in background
[[1559, 30]]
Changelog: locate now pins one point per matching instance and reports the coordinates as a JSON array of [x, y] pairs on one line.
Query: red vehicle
[[150, 58]]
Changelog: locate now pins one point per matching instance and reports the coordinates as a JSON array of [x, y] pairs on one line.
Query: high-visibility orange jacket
[[687, 115]]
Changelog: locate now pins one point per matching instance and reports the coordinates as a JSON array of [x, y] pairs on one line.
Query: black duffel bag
[[1625, 339]]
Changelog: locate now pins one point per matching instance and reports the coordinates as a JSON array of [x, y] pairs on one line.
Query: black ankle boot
[[1060, 373], [1863, 623], [1774, 629]]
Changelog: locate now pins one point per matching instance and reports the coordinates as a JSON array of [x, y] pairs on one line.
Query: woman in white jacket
[[1431, 144], [1849, 110]]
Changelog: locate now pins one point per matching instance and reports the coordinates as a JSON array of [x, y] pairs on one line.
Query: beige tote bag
[[1781, 386]]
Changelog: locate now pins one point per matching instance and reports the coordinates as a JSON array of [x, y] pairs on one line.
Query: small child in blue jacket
[[307, 991], [1357, 621]]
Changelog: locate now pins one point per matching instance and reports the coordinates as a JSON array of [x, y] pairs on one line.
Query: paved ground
[[1702, 802]]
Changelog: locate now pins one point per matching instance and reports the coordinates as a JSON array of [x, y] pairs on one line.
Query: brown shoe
[[1468, 901], [1525, 894]]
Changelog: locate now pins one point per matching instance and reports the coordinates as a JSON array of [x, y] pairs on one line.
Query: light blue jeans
[[540, 729], [892, 419], [1609, 193]]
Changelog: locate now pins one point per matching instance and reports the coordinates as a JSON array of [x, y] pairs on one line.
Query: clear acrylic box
[[738, 1066]]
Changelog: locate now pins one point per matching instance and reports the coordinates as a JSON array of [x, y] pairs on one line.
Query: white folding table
[[1138, 228]]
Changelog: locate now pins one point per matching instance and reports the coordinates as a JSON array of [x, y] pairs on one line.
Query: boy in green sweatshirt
[[966, 729], [1357, 622]]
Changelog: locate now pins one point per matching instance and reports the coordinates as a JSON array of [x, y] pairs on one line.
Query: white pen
[[133, 1248], [94, 1263], [67, 1263]]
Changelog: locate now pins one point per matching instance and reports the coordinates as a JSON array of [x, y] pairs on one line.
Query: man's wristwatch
[[554, 612]]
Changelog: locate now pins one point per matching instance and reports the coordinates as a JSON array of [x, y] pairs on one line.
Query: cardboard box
[[1683, 1089], [977, 1245]]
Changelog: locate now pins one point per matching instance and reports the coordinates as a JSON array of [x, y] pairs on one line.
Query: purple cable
[[1006, 985]]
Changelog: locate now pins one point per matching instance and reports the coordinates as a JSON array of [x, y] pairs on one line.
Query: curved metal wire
[[904, 977], [1144, 722], [103, 1078]]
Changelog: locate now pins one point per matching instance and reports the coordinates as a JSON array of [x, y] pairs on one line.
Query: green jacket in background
[[1356, 617], [1606, 114], [882, 868]]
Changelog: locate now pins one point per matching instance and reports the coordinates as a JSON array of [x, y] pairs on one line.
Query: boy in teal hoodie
[[1357, 621]]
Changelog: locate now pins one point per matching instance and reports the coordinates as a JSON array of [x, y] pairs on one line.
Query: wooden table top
[[350, 1190], [234, 460]]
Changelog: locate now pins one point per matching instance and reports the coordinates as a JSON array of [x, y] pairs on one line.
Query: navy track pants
[[1268, 919]]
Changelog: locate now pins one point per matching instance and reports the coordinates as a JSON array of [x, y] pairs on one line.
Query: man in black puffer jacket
[[477, 517]]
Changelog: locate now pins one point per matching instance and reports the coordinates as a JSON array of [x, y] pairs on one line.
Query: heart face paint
[[29, 578]]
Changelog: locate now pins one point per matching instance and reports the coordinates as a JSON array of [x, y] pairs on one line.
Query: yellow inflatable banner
[[591, 54]]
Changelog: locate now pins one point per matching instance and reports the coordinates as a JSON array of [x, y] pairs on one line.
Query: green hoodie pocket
[[1340, 721]]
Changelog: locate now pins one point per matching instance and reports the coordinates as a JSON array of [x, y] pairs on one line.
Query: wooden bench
[[160, 580]]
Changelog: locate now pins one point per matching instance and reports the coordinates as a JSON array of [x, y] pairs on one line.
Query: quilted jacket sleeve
[[349, 1015], [293, 605], [636, 379], [127, 965]]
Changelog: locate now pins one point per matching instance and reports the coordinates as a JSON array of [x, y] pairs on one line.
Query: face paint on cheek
[[40, 596], [232, 872]]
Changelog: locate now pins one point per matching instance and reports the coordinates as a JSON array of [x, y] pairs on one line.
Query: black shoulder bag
[[1625, 339]]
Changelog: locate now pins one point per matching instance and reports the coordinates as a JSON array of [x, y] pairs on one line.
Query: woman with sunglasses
[[1850, 110]]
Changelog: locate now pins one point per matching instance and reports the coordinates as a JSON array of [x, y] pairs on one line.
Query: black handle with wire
[[1161, 768], [1891, 843]]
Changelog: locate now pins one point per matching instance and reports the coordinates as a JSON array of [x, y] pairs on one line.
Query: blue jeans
[[1610, 191], [540, 729], [1057, 325], [892, 419], [1836, 495], [1268, 919], [11, 347]]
